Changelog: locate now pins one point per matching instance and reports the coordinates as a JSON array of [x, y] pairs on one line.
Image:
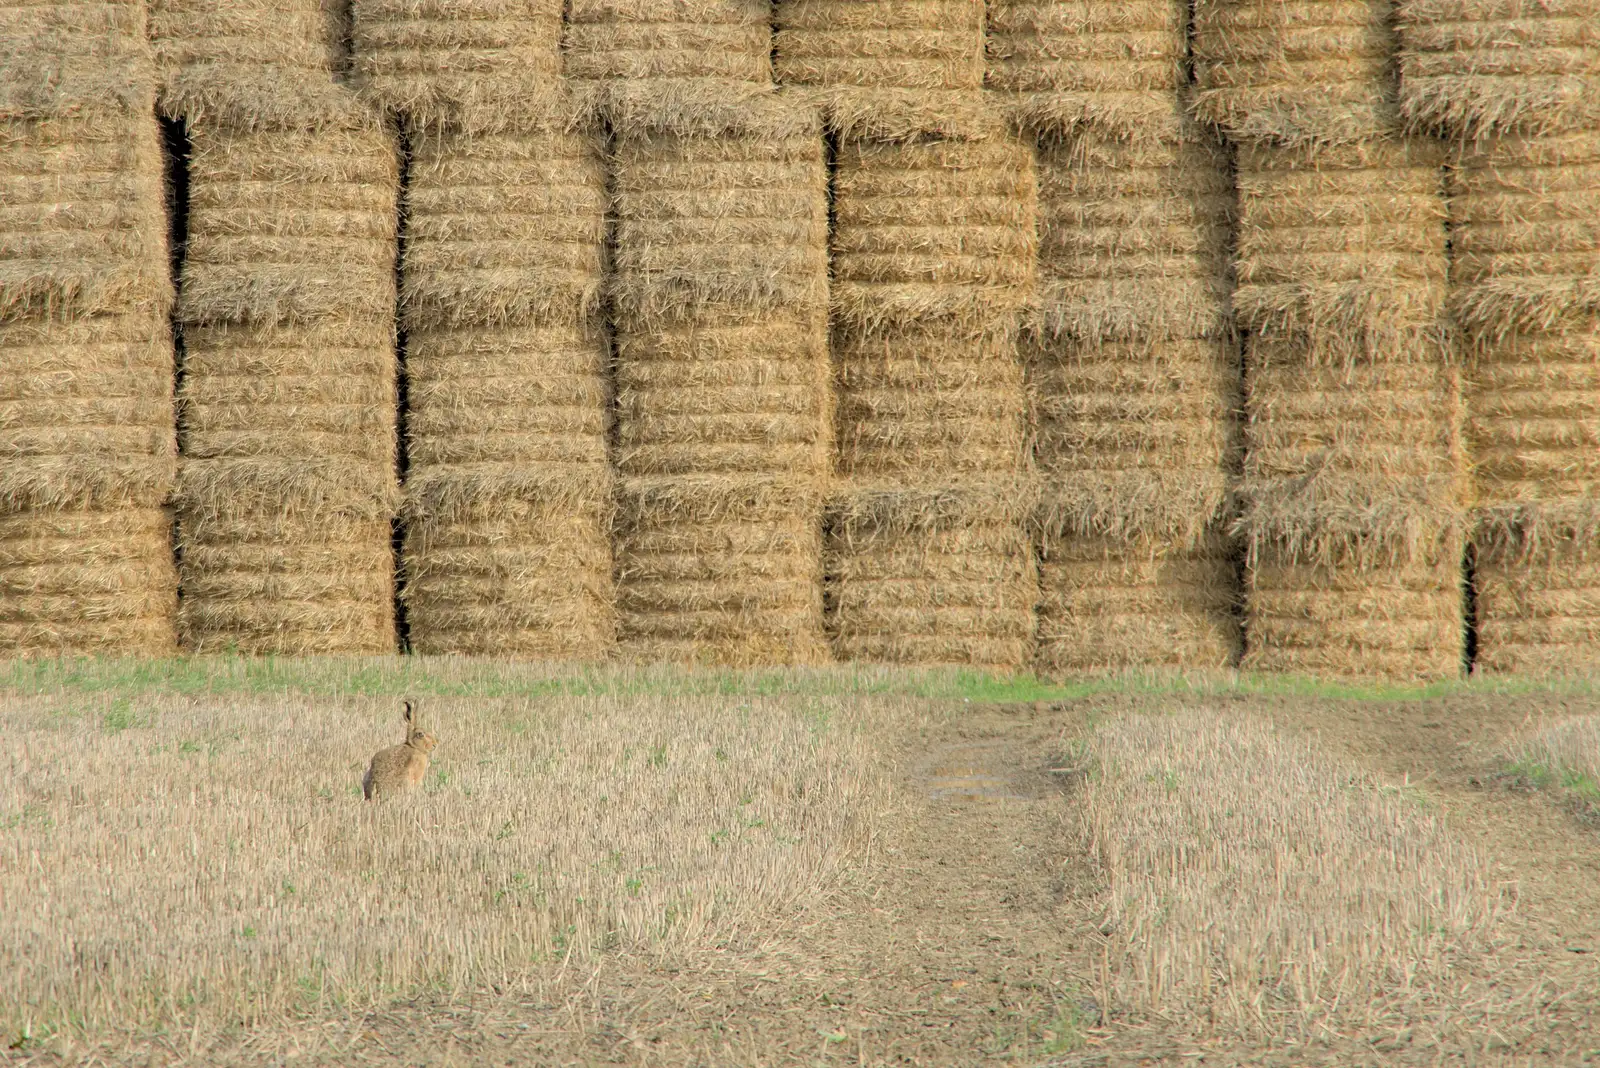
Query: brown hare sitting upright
[[399, 768]]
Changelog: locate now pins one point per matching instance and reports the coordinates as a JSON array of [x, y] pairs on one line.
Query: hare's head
[[416, 737]]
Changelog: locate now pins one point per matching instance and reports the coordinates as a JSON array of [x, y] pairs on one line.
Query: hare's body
[[399, 768]]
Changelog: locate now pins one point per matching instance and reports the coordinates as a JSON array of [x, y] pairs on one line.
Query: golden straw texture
[[82, 225], [700, 67], [932, 576], [87, 582], [461, 64], [1133, 238], [74, 59], [252, 63], [1476, 67], [724, 569], [1113, 66], [1293, 72], [1105, 605], [1524, 239], [1539, 600], [888, 69], [1344, 248]]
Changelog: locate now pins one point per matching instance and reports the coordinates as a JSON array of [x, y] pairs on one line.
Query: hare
[[400, 768]]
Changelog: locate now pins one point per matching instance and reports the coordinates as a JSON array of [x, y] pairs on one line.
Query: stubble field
[[672, 867]]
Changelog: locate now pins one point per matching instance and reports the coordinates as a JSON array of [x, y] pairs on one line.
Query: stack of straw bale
[[1482, 67], [888, 69], [722, 442], [1526, 276], [1132, 370], [1133, 375], [86, 443], [508, 487], [287, 485], [934, 248], [679, 66], [1353, 487], [1295, 72]]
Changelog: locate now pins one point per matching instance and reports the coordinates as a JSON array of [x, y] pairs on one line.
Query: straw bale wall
[[1294, 72], [87, 450], [722, 437], [934, 256], [701, 67], [248, 63], [1133, 382], [287, 479], [1476, 67], [887, 69], [508, 489], [1527, 294], [1114, 66], [461, 64]]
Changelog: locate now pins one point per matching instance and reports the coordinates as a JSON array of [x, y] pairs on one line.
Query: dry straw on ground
[[887, 69], [1476, 67], [252, 63], [480, 65], [722, 569], [932, 576], [1259, 888], [84, 581], [1344, 247], [1110, 66], [1523, 237], [77, 59], [509, 490], [1566, 751], [1107, 604], [196, 867], [1296, 72], [82, 228], [691, 67]]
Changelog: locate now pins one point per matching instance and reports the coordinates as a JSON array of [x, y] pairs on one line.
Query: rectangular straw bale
[[697, 67], [724, 570], [933, 230], [1343, 247], [915, 403], [932, 576], [86, 416], [1368, 454], [735, 221], [505, 228], [1134, 236], [82, 224], [1524, 238], [722, 392], [252, 63], [74, 59], [1402, 621], [1538, 586], [1533, 419], [290, 226], [481, 65], [1112, 66], [888, 69], [263, 580], [510, 560], [95, 581], [1292, 72], [1108, 606], [1471, 68], [1132, 440]]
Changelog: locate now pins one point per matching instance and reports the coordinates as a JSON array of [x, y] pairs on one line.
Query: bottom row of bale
[[758, 573]]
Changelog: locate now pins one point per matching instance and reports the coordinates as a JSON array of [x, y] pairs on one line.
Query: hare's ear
[[411, 720]]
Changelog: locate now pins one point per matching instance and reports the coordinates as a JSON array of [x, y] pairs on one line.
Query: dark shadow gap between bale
[[175, 150], [1469, 608], [402, 452]]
